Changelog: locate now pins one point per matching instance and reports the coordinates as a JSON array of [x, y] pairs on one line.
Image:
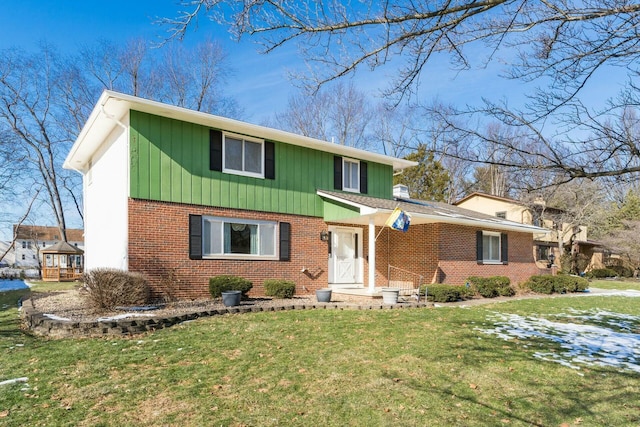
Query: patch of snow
[[123, 316], [581, 344], [54, 317], [14, 381], [615, 293]]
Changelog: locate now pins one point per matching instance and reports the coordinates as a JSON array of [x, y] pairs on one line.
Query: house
[[562, 232], [9, 259], [31, 239], [183, 196]]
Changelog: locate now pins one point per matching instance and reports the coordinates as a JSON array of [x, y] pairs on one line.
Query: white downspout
[[372, 255]]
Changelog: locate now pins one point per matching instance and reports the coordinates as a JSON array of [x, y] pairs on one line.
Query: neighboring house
[[9, 259], [183, 196], [560, 233], [30, 239]]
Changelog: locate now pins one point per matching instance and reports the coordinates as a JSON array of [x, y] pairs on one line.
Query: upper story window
[[240, 155], [24, 245], [350, 175], [502, 215], [243, 156]]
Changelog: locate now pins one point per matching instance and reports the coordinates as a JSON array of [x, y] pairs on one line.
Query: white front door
[[345, 255]]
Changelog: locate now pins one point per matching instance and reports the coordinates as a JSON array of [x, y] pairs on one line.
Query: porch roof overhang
[[359, 209]]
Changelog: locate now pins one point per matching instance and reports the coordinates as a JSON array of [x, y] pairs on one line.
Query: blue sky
[[260, 83]]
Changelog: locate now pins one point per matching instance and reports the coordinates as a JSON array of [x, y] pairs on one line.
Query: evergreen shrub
[[491, 287], [220, 284], [279, 288]]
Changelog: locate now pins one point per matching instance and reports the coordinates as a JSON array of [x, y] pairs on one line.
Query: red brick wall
[[159, 248], [457, 252], [441, 253], [446, 253]]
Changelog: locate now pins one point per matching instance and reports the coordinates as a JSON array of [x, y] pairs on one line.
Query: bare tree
[[625, 243], [30, 113], [191, 77], [194, 78], [341, 114], [561, 44], [575, 208], [563, 39], [45, 99]]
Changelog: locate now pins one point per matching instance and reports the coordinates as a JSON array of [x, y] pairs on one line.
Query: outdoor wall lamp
[[324, 235]]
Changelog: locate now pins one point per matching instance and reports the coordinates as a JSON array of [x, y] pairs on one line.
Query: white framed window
[[351, 175], [243, 156], [491, 250], [502, 215], [239, 238]]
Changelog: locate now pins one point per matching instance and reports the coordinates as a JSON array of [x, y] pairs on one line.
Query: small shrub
[[279, 288], [622, 271], [542, 284], [443, 293], [467, 292], [601, 273], [491, 287], [220, 284], [570, 284], [108, 288], [545, 284]]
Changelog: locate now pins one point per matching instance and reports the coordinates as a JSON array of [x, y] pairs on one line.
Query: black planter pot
[[323, 295], [231, 298]]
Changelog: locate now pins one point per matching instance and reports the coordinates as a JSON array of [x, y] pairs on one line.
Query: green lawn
[[413, 367], [616, 284]]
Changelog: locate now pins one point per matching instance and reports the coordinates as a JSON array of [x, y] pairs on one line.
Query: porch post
[[372, 255]]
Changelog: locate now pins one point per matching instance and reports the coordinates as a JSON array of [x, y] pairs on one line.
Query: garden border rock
[[43, 325]]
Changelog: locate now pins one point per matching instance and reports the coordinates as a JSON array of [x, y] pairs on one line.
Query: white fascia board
[[112, 106], [476, 222]]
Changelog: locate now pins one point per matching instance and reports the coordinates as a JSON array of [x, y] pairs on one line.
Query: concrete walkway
[[589, 292]]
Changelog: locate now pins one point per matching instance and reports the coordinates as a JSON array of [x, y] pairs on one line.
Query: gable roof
[[488, 196], [113, 107], [44, 233], [424, 212], [536, 206], [62, 248]]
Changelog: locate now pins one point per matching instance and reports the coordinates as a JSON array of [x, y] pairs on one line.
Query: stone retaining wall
[[42, 325]]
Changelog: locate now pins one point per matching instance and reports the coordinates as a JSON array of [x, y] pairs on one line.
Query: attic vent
[[401, 191]]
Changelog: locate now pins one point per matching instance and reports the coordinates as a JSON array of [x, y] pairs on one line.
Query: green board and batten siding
[[170, 162]]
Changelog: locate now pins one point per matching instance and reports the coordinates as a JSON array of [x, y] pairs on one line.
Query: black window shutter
[[479, 246], [215, 150], [504, 248], [269, 160], [285, 241], [337, 172], [364, 188], [195, 237]]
